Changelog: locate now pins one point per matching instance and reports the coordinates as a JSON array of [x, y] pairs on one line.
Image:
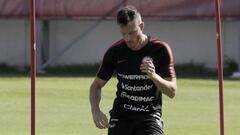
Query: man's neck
[[143, 41]]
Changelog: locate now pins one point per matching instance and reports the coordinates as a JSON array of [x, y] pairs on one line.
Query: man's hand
[[167, 86], [100, 119], [148, 68]]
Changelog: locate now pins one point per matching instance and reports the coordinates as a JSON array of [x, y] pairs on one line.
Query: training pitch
[[62, 106]]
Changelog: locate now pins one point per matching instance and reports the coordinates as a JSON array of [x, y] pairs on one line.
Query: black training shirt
[[136, 93]]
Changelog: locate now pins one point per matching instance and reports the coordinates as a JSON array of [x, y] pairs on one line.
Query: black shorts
[[151, 125]]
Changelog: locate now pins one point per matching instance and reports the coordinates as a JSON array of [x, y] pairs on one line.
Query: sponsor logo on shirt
[[137, 98], [137, 109], [121, 61], [147, 58], [136, 88], [133, 77]]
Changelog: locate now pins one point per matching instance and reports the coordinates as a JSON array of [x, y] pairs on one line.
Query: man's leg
[[150, 126], [120, 127]]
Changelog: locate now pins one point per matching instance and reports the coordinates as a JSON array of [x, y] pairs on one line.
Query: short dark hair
[[126, 15]]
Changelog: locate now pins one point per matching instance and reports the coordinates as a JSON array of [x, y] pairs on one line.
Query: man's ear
[[141, 25]]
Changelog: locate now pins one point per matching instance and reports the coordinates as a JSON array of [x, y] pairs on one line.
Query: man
[[144, 69]]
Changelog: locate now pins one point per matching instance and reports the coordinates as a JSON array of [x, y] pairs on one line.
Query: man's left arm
[[167, 85]]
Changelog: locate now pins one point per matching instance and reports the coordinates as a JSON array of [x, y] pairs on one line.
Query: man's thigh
[[151, 126], [119, 127]]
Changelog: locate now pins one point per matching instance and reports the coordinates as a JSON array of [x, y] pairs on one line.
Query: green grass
[[63, 107]]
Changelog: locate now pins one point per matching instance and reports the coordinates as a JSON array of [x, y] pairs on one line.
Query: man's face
[[132, 34]]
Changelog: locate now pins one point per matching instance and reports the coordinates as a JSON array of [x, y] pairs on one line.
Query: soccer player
[[145, 70]]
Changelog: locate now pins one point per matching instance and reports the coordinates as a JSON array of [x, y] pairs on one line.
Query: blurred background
[[72, 37], [76, 33]]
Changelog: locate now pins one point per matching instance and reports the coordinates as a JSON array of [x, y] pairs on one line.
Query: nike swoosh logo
[[121, 61]]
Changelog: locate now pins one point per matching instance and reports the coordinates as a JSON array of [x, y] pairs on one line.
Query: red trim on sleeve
[[113, 45], [116, 43], [171, 64]]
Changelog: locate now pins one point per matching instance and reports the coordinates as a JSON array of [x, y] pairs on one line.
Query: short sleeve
[[167, 62], [107, 67]]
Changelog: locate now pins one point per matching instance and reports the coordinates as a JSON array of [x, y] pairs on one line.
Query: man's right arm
[[99, 117]]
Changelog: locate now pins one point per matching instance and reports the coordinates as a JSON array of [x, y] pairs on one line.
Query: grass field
[[63, 107]]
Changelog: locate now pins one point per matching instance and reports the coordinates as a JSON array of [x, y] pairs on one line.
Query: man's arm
[[99, 117], [168, 86]]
